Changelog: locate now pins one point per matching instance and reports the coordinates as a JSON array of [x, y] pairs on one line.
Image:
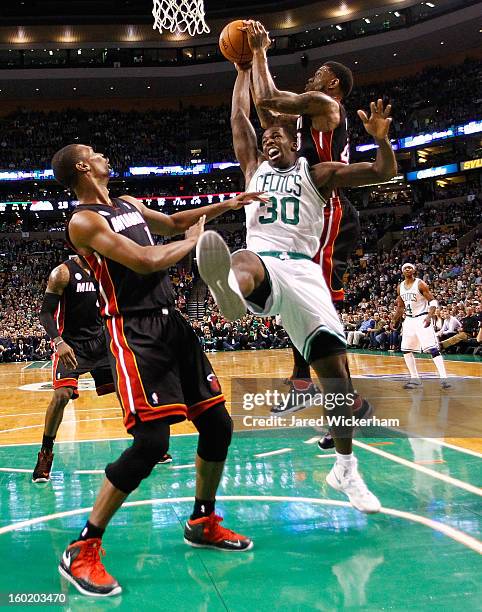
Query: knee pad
[[434, 352], [215, 428], [151, 442]]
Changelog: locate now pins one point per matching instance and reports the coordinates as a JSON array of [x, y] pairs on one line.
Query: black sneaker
[[365, 410], [43, 468], [166, 459], [302, 394], [326, 442], [206, 532]]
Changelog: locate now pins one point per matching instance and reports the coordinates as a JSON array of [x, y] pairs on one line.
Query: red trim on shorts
[[197, 409], [144, 410]]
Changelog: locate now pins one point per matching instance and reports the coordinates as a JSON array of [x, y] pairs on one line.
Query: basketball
[[233, 43]]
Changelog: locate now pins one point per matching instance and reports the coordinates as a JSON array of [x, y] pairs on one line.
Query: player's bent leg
[[53, 419], [203, 529], [214, 263], [81, 563], [328, 359], [440, 365]]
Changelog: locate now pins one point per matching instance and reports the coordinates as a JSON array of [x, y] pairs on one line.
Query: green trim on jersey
[[284, 255], [311, 337], [310, 180]]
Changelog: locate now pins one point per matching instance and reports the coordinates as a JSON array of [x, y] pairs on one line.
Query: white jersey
[[415, 303], [293, 219]]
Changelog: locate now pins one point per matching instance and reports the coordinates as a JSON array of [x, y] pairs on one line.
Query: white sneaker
[[413, 383], [214, 263], [347, 480]]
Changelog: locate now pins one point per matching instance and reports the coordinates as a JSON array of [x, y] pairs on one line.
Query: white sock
[[440, 365], [411, 365], [345, 460]]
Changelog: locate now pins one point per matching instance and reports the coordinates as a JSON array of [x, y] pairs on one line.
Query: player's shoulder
[[60, 275]]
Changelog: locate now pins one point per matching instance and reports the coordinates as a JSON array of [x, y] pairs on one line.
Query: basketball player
[[70, 315], [162, 375], [415, 299], [276, 274], [322, 128]]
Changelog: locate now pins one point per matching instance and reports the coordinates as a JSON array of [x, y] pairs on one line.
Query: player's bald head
[[64, 163]]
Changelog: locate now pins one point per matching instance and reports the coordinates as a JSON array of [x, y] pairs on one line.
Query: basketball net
[[180, 16]]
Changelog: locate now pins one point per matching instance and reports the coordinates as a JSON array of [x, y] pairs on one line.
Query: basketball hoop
[[180, 16]]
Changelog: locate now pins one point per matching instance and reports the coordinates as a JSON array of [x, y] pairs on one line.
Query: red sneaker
[[42, 470], [166, 459], [206, 532], [81, 565]]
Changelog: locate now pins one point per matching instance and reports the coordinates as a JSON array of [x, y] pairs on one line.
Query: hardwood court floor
[[312, 550]]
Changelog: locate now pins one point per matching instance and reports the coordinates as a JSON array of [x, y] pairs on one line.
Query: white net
[[180, 16]]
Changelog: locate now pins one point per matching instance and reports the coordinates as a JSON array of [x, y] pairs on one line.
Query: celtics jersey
[[292, 220], [416, 303]]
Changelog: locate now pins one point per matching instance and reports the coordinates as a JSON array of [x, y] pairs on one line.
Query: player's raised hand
[[66, 355], [248, 197], [243, 67], [195, 231], [258, 37], [378, 124]]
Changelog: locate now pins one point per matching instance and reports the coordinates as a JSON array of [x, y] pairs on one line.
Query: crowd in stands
[[432, 99]]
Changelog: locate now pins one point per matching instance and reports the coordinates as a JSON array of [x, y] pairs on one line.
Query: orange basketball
[[233, 43]]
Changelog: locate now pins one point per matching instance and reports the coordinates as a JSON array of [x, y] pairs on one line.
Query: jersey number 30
[[289, 207]]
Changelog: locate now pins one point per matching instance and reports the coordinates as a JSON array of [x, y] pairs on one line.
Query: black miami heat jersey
[[319, 146], [341, 228], [121, 290], [77, 315]]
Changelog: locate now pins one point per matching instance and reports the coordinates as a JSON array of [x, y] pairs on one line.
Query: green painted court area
[[310, 553]]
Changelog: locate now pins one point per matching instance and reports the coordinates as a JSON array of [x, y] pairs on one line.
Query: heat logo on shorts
[[214, 383]]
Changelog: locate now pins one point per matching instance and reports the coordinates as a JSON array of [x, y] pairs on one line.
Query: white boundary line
[[22, 470], [17, 414], [420, 468], [116, 418], [89, 440], [280, 451], [89, 471], [455, 534], [454, 447], [182, 467]]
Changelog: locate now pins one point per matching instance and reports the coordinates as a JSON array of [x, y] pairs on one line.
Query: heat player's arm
[[90, 232], [58, 281], [178, 223], [318, 105], [268, 118], [336, 174]]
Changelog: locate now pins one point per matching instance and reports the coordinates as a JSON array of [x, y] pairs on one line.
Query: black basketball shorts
[[92, 356], [160, 368]]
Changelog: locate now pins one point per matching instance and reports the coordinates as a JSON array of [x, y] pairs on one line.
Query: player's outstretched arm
[[334, 174], [267, 95], [58, 281], [178, 223], [90, 232], [244, 137]]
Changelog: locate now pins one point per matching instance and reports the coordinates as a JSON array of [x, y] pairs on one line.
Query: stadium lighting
[[430, 4], [397, 14], [338, 27], [366, 20]]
